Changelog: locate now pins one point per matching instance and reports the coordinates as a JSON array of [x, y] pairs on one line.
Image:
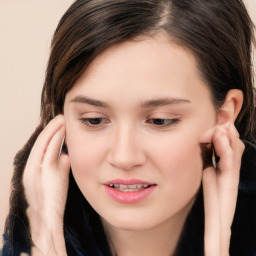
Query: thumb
[[211, 208]]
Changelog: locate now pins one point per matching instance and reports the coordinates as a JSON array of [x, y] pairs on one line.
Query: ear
[[231, 106]]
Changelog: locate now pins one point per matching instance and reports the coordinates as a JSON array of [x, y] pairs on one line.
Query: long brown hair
[[218, 32]]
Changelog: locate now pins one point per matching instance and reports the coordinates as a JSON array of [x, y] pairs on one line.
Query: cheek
[[178, 157], [179, 154], [83, 151]]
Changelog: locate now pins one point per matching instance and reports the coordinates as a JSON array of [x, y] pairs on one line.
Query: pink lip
[[127, 182], [128, 197]]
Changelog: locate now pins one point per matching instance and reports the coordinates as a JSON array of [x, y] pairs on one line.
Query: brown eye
[[163, 122], [93, 122]]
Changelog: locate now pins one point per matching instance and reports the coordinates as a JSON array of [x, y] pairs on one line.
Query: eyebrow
[[146, 104], [89, 101], [163, 102]]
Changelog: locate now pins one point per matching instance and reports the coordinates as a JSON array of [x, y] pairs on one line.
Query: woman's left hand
[[220, 188]]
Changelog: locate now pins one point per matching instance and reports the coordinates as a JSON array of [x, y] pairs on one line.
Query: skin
[[128, 146], [127, 143]]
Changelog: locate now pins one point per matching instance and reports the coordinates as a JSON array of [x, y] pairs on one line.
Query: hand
[[46, 184], [220, 188]]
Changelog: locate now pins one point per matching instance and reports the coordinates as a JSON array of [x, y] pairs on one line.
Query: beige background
[[26, 28]]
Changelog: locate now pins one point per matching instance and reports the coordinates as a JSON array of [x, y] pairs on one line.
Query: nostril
[[125, 151]]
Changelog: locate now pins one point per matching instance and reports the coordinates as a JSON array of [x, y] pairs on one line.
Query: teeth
[[129, 188], [123, 186], [114, 185], [132, 186]]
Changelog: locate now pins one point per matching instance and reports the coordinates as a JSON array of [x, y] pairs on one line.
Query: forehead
[[150, 66]]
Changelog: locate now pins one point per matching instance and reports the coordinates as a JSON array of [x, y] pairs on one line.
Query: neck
[[161, 240]]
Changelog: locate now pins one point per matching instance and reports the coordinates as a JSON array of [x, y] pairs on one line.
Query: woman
[[150, 99]]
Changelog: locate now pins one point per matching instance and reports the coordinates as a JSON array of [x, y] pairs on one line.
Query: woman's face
[[133, 125]]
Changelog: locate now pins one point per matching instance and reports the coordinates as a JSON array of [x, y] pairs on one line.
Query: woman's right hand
[[220, 187], [45, 182]]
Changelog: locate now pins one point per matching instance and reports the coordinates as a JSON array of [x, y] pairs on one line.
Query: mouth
[[129, 191], [129, 188]]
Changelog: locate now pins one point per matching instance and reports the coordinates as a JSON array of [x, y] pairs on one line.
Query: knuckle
[[45, 166], [242, 146], [234, 132]]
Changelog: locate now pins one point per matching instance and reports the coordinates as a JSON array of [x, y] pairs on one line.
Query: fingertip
[[209, 170], [64, 162], [59, 117], [63, 130], [57, 121], [218, 135], [221, 140], [207, 135]]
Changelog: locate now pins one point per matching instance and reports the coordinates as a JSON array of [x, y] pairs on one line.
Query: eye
[[162, 122], [94, 122]]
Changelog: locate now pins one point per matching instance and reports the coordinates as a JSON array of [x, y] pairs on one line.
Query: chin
[[131, 225], [131, 221]]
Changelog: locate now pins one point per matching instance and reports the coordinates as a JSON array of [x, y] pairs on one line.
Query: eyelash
[[90, 122], [167, 122], [97, 122]]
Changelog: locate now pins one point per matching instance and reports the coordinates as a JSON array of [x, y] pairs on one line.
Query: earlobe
[[231, 106]]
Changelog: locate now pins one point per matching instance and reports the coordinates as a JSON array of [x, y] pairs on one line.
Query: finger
[[31, 176], [228, 144], [230, 150], [237, 145], [227, 175], [64, 164], [52, 153], [223, 149], [33, 166], [41, 144], [230, 175], [206, 138], [211, 207]]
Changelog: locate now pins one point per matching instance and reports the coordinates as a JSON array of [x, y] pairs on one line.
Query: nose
[[126, 150]]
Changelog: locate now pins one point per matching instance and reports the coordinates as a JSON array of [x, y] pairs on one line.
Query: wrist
[[48, 242], [47, 234]]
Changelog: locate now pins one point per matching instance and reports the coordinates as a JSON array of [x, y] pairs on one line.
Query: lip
[[128, 197], [128, 182]]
